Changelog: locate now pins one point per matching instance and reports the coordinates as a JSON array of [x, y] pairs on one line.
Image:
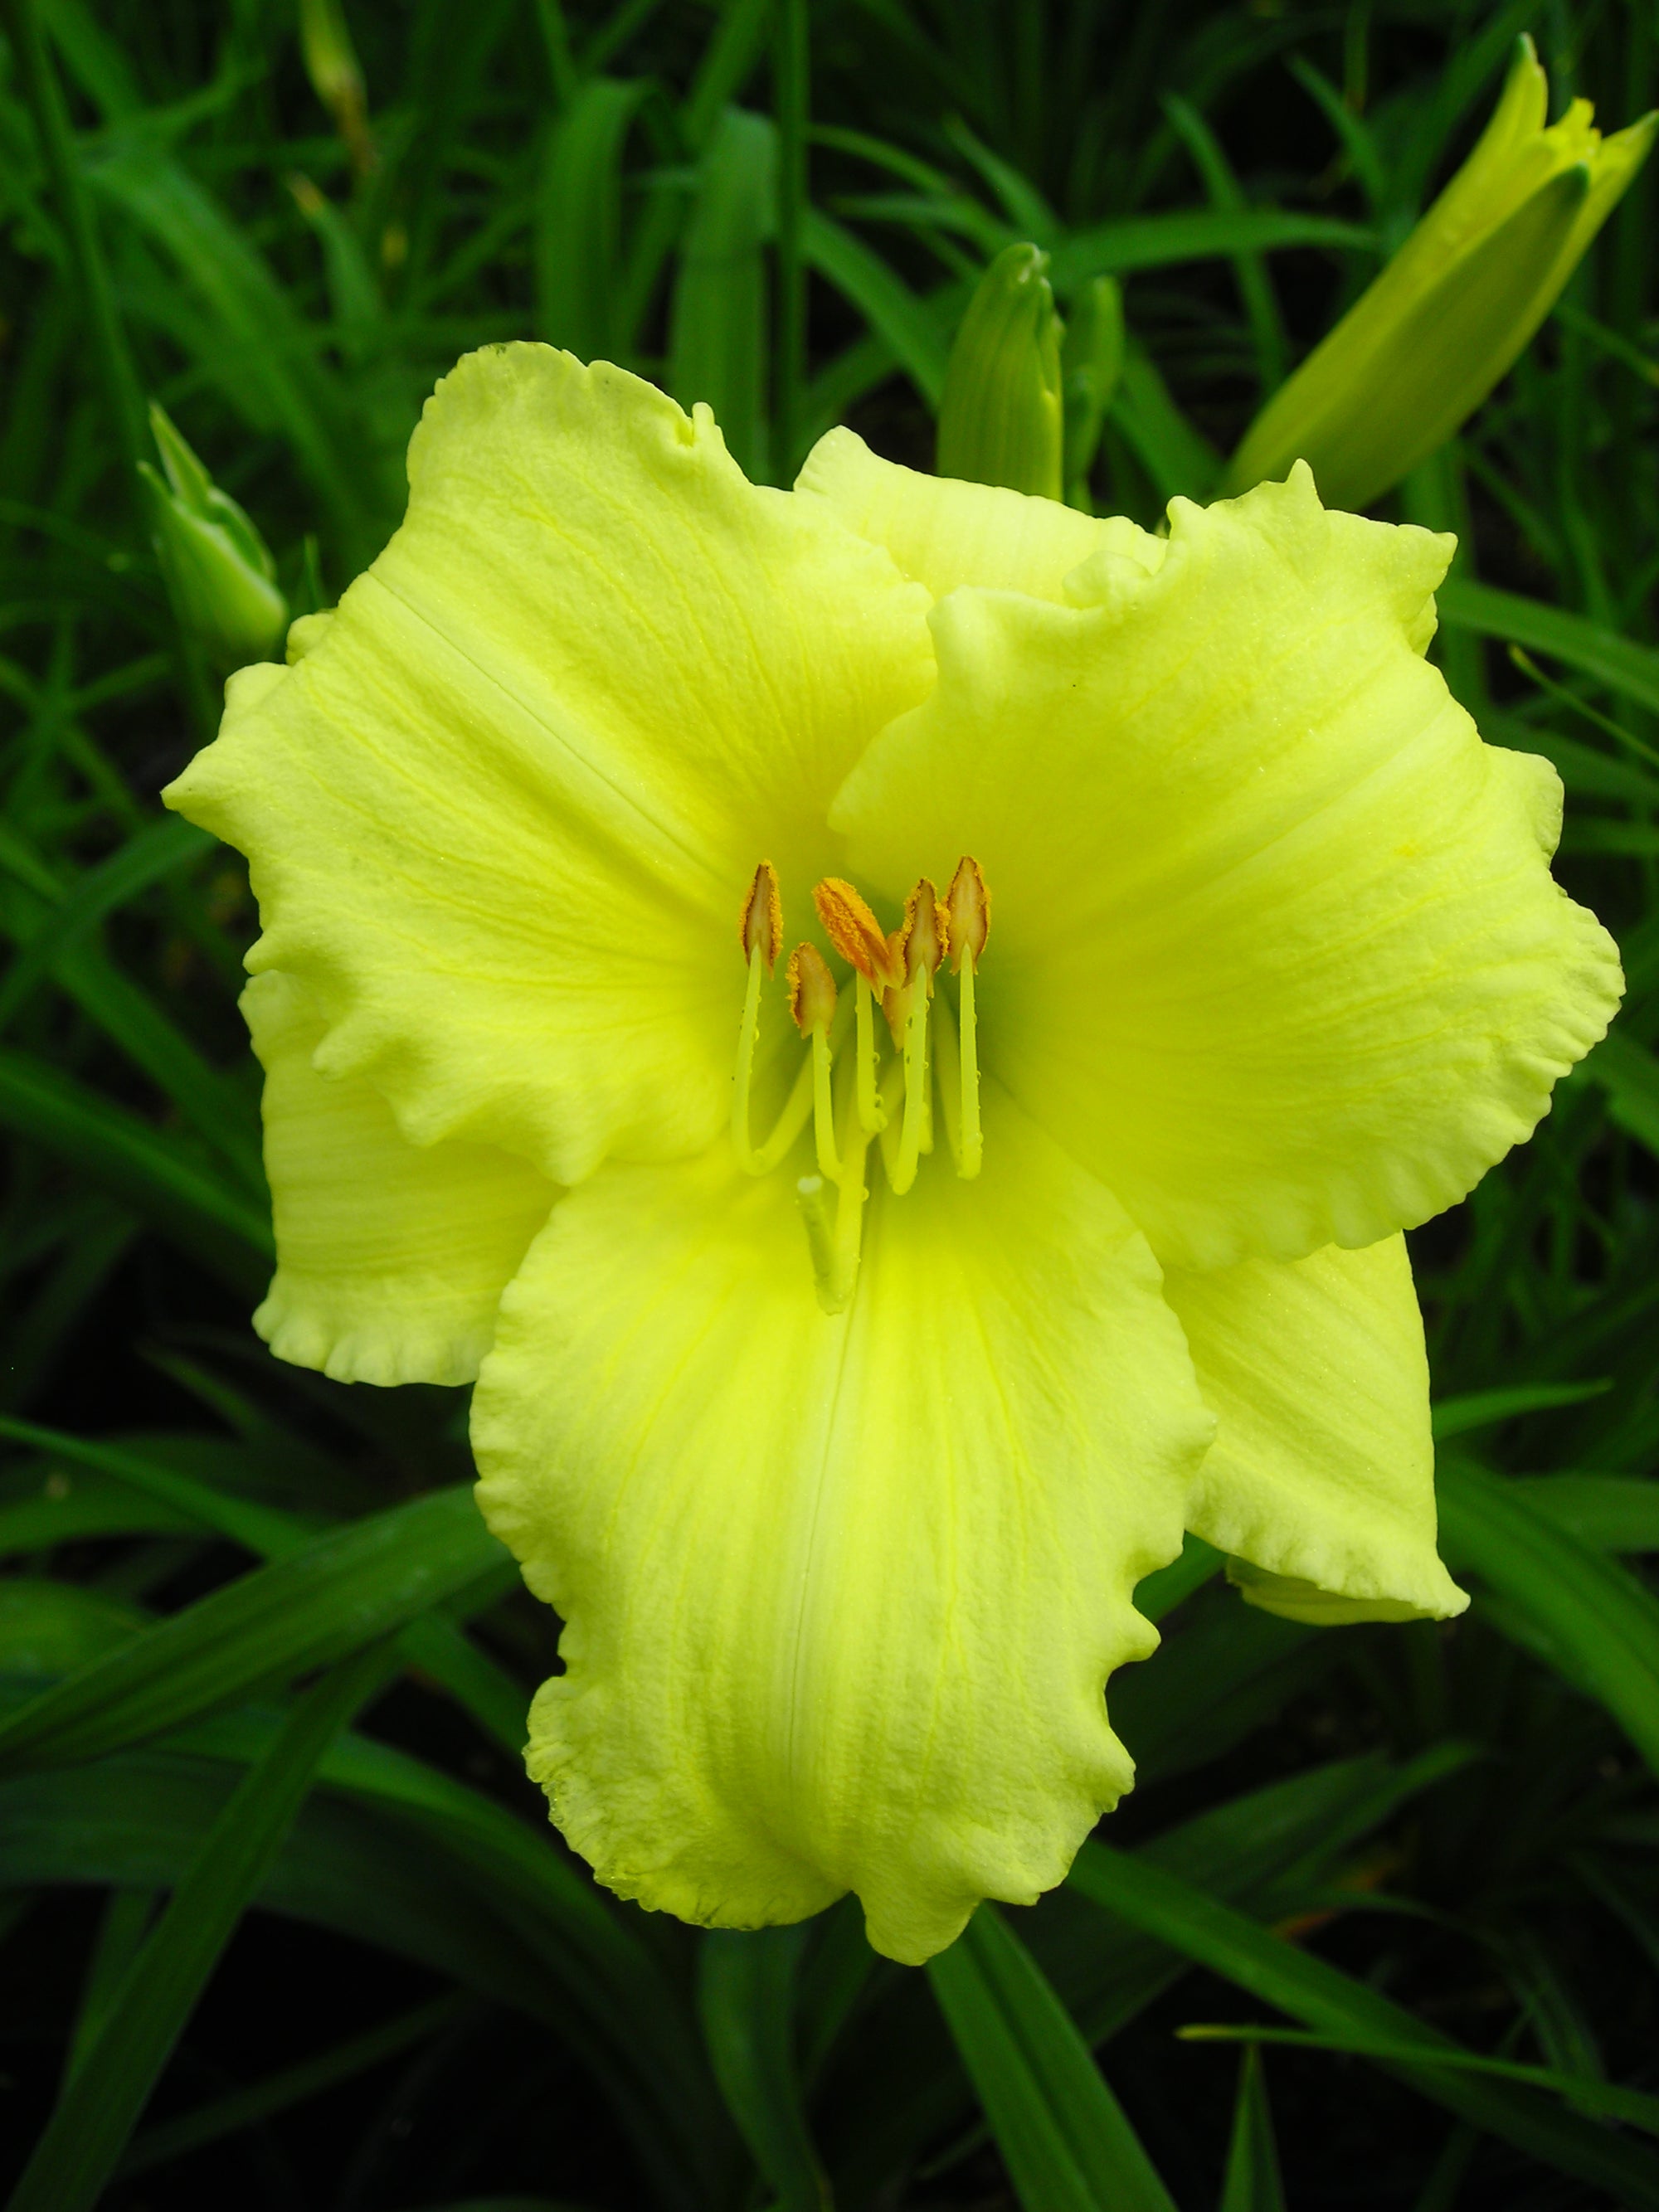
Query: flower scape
[[895, 1028]]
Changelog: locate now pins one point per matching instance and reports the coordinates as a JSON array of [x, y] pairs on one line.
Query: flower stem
[[791, 95]]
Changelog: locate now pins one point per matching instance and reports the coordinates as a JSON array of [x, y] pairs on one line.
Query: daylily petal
[[1321, 1474], [840, 1592], [502, 812], [1277, 949], [391, 1260], [946, 533]]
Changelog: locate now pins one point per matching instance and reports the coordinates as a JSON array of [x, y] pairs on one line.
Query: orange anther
[[760, 929], [855, 933], [926, 933], [812, 991], [968, 905]]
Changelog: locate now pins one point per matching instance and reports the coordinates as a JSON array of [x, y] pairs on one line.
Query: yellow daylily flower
[[838, 1406]]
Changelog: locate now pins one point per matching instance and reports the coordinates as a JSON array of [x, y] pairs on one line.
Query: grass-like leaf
[[1252, 2183], [1610, 1512], [1062, 2134], [153, 1488], [1213, 1934], [745, 1990], [148, 1169], [1592, 1618], [1624, 666], [1629, 1073], [1605, 2099], [718, 323], [346, 1588], [107, 2092]]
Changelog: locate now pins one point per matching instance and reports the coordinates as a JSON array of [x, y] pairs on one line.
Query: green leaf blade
[[1062, 2134], [83, 2140]]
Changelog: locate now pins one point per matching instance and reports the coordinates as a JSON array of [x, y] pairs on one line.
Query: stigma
[[854, 1091]]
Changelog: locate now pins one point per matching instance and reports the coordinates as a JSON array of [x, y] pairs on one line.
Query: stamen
[[970, 1147], [924, 938], [760, 933], [812, 993], [787, 1127], [812, 1003], [800, 1102], [926, 933], [872, 1115], [760, 929], [744, 1075], [948, 1055], [853, 1105], [836, 1249], [969, 906], [902, 1169], [891, 1095], [856, 934]]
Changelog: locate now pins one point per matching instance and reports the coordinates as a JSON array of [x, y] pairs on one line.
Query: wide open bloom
[[1170, 942]]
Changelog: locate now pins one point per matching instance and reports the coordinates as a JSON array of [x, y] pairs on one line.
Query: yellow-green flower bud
[[336, 77], [1091, 360], [219, 572], [1002, 419], [1416, 353]]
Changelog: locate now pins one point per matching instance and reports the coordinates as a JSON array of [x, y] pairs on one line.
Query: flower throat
[[851, 1097]]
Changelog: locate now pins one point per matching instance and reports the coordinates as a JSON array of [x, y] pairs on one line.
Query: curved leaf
[[1062, 2134], [1213, 1934]]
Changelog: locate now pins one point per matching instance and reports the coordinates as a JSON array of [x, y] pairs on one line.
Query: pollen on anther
[[812, 991], [968, 906], [926, 936], [760, 929], [855, 933]]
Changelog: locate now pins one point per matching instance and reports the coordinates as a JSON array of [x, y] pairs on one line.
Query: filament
[[744, 1077], [823, 1108], [834, 1242], [970, 1145], [903, 1171], [872, 1114], [948, 1056]]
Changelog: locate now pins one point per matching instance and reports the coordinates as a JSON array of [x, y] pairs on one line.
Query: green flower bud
[[337, 78], [1416, 355], [219, 572], [1091, 360], [1002, 419]]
